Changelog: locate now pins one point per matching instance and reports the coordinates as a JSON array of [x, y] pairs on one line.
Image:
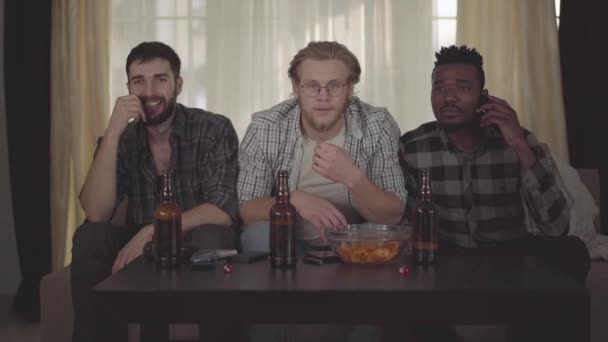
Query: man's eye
[[312, 86], [465, 89]]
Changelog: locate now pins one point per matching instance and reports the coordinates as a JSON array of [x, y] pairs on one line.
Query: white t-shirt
[[313, 183]]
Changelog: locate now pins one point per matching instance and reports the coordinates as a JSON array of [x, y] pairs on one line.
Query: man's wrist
[[294, 198], [354, 178], [527, 158], [111, 134], [148, 230]]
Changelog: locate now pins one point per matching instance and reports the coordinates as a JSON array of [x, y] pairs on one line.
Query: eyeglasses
[[313, 89]]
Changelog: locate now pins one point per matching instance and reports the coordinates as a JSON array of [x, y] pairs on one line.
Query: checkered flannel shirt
[[480, 196], [273, 142], [204, 155]]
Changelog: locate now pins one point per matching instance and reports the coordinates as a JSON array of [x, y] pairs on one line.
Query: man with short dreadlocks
[[491, 178]]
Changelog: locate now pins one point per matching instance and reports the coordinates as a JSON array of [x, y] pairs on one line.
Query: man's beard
[[468, 124], [323, 126], [165, 114]]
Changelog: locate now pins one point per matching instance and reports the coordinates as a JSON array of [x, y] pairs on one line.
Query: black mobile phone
[[491, 129], [203, 259], [483, 99], [324, 256], [249, 257]]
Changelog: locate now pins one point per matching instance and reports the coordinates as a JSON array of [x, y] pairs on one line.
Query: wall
[[8, 247]]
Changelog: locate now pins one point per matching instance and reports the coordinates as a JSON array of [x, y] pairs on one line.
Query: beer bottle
[[167, 227], [426, 233], [282, 227]]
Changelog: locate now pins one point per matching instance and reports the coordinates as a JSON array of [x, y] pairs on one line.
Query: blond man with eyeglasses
[[342, 158]]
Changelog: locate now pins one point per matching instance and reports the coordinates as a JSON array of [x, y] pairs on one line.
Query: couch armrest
[[56, 313]]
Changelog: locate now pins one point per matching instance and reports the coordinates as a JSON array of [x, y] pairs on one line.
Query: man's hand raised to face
[[332, 162], [501, 114], [126, 109]]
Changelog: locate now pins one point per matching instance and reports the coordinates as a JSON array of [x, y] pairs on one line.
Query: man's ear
[[295, 88], [350, 90], [178, 85]]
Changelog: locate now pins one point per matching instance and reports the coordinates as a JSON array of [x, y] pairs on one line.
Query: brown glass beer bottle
[[167, 227], [425, 243], [282, 226]]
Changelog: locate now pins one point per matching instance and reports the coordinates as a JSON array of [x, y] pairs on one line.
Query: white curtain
[[518, 40], [236, 53]]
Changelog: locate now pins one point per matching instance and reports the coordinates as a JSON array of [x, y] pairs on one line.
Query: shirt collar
[[353, 116], [491, 138], [179, 123], [177, 130]]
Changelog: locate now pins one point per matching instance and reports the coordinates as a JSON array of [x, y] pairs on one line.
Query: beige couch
[[57, 315]]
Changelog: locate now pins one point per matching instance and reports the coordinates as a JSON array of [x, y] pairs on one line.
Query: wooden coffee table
[[460, 289]]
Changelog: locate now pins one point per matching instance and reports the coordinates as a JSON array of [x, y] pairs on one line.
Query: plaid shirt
[[203, 163], [273, 142], [480, 196]]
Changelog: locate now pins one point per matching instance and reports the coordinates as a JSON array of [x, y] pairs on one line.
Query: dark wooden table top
[[459, 289]]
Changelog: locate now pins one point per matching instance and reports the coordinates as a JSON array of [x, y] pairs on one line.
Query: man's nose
[[323, 94], [450, 95], [147, 89]]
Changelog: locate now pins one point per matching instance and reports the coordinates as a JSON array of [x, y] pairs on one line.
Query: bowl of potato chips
[[369, 243]]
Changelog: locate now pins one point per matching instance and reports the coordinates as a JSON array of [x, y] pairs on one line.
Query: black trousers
[[567, 254], [94, 250]]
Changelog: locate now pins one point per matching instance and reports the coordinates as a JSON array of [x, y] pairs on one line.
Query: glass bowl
[[369, 243]]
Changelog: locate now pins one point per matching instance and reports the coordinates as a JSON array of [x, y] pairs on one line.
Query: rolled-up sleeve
[[255, 174], [221, 173], [385, 168], [547, 204]]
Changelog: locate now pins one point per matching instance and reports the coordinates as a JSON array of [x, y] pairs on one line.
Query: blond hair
[[324, 50]]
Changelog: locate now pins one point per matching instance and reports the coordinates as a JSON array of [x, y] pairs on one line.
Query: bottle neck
[[167, 198], [166, 193], [424, 194], [282, 190], [282, 198]]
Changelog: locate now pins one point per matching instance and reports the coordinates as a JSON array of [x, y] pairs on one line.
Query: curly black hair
[[461, 54]]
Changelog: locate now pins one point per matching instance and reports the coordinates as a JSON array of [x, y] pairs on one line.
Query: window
[[179, 23], [557, 9], [444, 22], [381, 34]]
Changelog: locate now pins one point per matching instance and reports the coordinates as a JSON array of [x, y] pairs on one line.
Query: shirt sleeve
[[385, 169], [221, 172], [541, 192], [121, 174], [410, 180], [255, 173]]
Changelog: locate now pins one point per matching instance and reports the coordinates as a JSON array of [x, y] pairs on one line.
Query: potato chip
[[368, 252]]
